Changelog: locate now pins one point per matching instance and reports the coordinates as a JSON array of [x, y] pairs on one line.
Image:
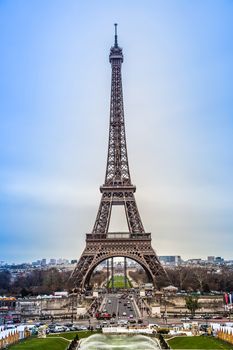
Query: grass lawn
[[41, 344], [52, 342], [198, 343], [71, 335], [119, 282]]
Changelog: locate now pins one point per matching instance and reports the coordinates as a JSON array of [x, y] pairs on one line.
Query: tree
[[52, 280], [24, 292], [98, 277], [139, 276], [192, 304], [5, 280], [200, 274], [181, 277]]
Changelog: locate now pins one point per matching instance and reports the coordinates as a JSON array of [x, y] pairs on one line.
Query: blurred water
[[118, 342]]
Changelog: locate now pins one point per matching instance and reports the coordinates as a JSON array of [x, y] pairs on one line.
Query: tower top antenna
[[116, 43]]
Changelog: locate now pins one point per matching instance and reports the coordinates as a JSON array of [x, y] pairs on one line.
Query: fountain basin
[[118, 342]]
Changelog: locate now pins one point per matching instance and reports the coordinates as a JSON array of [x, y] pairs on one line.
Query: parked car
[[58, 329], [82, 328], [207, 317], [68, 324], [122, 322], [131, 321], [51, 328], [184, 319], [203, 327]]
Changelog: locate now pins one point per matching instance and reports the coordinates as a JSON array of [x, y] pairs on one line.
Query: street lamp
[[165, 307], [72, 304]]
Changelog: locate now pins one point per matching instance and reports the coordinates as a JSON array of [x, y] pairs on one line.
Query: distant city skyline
[[54, 111], [163, 258]]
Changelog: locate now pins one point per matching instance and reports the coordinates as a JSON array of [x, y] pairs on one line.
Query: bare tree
[[200, 274]]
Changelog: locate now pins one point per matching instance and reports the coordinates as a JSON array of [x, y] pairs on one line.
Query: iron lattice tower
[[117, 190]]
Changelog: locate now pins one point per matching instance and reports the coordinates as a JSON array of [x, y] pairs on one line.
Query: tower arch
[[87, 278]]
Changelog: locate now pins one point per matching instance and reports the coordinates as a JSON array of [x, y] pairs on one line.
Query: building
[[196, 261], [170, 259], [74, 261], [52, 262], [210, 259], [61, 261], [43, 262], [8, 310]]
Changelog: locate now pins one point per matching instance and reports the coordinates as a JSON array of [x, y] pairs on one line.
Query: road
[[123, 307]]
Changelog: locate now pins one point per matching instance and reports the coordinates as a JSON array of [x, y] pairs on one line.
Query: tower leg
[[125, 272], [112, 268]]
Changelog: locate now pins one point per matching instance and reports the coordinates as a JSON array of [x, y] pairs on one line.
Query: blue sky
[[54, 111]]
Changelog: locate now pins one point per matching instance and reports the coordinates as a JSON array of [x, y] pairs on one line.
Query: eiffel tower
[[117, 190]]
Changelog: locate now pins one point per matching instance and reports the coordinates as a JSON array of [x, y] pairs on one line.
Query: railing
[[118, 235]]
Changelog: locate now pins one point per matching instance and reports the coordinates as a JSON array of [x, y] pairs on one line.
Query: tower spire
[[116, 43]]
